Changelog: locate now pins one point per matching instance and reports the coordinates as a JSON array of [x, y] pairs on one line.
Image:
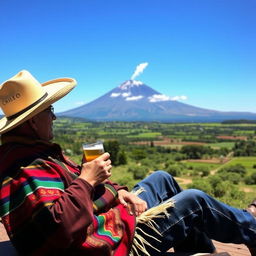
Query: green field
[[211, 166], [247, 162], [154, 135], [228, 145], [139, 143]]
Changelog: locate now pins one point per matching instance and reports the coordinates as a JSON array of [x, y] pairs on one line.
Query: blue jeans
[[195, 218]]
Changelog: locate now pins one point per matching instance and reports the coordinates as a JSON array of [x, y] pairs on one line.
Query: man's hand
[[97, 170], [135, 205]]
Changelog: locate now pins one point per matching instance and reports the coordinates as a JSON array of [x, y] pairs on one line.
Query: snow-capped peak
[[130, 83]]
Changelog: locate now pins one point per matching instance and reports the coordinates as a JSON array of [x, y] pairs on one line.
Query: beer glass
[[93, 150]]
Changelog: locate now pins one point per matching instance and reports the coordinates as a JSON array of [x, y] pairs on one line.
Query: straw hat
[[22, 97]]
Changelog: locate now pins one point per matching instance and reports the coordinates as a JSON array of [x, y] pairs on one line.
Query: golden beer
[[92, 151]]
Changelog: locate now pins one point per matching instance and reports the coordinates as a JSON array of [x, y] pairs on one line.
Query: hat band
[[9, 118]]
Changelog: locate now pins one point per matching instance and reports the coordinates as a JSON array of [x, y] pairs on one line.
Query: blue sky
[[202, 49]]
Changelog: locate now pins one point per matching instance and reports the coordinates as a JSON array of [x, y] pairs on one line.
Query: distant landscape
[[219, 158], [135, 101]]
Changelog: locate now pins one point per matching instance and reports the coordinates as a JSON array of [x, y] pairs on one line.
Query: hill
[[135, 101]]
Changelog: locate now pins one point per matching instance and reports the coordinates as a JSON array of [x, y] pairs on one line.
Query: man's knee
[[192, 194], [160, 174]]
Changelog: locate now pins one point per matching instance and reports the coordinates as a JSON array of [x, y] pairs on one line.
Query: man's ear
[[32, 122]]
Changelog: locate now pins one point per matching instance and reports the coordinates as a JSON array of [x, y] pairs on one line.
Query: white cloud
[[154, 98], [126, 94], [139, 69], [117, 94], [158, 97], [133, 98], [162, 97], [113, 94], [182, 97]]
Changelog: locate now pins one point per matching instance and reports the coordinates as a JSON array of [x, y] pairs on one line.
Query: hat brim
[[56, 89]]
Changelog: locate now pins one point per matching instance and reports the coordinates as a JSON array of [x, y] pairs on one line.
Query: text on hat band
[[11, 98], [27, 108]]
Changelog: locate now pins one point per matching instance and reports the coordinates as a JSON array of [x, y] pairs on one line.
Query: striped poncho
[[47, 210]]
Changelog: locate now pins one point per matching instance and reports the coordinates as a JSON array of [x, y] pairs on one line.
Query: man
[[51, 206]]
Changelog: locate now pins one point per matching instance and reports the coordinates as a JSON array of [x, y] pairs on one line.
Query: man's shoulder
[[36, 163]]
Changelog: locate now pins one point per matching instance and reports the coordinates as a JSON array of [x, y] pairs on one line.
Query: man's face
[[44, 122]]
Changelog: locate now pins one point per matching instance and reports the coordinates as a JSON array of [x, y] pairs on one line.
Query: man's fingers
[[108, 162], [131, 209], [104, 156], [140, 207], [123, 202]]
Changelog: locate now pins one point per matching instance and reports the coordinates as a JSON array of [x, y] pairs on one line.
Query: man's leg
[[157, 188], [195, 209], [161, 186]]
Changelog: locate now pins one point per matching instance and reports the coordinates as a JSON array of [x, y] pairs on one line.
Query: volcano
[[135, 101]]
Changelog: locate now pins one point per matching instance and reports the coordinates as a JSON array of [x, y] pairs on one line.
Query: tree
[[202, 171], [214, 180], [121, 158], [234, 178], [236, 168], [201, 185], [220, 189], [138, 154], [174, 170], [196, 151], [139, 172], [113, 147], [245, 148], [250, 180]]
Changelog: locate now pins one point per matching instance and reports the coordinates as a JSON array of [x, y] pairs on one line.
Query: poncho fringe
[[147, 218]]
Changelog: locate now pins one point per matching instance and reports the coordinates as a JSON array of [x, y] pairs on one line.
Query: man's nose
[[53, 116]]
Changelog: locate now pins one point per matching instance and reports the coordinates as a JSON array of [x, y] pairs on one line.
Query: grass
[[228, 145], [247, 162], [121, 176], [211, 166], [146, 135], [244, 133], [173, 146]]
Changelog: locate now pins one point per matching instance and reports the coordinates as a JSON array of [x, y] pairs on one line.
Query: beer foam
[[93, 147]]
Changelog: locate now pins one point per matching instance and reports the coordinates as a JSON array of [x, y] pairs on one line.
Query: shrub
[[121, 158], [245, 148], [235, 197], [139, 172], [234, 193], [237, 168], [113, 147], [214, 180], [196, 151], [202, 171], [179, 157], [220, 189], [250, 180], [234, 178], [149, 164], [201, 185], [126, 181], [138, 154], [174, 170], [169, 163]]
